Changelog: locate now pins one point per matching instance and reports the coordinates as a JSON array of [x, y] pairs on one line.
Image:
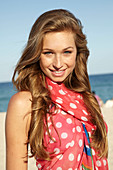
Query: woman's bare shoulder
[[19, 109], [20, 101]]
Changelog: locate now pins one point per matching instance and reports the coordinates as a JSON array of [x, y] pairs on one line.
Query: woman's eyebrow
[[68, 48], [52, 49]]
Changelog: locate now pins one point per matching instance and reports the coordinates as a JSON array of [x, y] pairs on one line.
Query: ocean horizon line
[[100, 74], [96, 74]]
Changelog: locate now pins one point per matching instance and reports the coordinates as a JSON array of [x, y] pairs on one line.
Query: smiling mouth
[[58, 72]]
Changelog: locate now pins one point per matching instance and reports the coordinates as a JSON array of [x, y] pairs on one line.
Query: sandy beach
[[108, 117]]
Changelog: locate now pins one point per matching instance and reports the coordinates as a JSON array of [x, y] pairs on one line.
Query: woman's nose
[[57, 64]]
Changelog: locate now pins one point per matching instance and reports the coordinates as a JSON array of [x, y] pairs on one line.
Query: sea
[[102, 84]]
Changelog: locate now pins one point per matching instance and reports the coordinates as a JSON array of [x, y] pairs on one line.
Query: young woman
[[54, 109]]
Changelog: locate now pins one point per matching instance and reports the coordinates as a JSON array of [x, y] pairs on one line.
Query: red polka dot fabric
[[70, 147]]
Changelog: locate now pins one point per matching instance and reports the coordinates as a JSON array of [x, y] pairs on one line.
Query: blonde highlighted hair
[[29, 77]]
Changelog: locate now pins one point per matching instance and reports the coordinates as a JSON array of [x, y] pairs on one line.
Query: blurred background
[[17, 18]]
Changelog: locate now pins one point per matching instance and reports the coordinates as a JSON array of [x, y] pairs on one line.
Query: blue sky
[[17, 18]]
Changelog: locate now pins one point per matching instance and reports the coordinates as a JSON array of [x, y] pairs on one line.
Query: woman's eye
[[47, 52], [67, 52]]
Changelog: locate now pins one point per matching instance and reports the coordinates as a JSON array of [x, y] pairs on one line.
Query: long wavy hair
[[29, 77]]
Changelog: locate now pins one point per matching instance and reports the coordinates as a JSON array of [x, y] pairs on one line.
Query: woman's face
[[58, 55]]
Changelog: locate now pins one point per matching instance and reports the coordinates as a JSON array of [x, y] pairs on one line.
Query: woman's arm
[[17, 127]]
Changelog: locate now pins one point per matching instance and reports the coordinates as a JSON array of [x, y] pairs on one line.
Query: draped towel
[[71, 149]]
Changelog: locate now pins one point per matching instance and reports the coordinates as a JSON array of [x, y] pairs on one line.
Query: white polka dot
[[70, 169], [48, 117], [50, 87], [85, 112], [52, 141], [78, 128], [39, 166], [58, 105], [80, 142], [58, 124], [59, 100], [104, 161], [98, 163], [68, 120], [64, 135], [81, 168], [72, 105], [84, 118], [53, 82], [49, 124], [58, 111], [59, 156], [71, 157], [64, 113], [47, 110], [93, 152], [55, 111], [49, 132], [73, 130], [72, 143], [79, 96], [78, 159], [89, 134], [87, 146], [67, 145], [76, 101], [59, 168], [62, 92], [70, 112], [57, 150]]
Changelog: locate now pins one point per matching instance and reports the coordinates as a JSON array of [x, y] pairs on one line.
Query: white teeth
[[57, 71]]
